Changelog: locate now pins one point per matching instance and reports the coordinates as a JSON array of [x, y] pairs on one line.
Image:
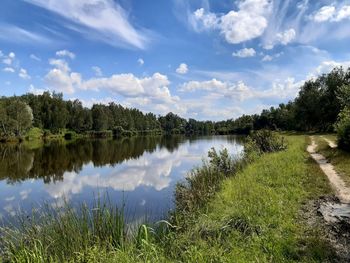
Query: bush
[[202, 183], [264, 141], [342, 127]]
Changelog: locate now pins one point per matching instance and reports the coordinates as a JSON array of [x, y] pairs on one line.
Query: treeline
[[316, 108], [52, 114], [321, 106]]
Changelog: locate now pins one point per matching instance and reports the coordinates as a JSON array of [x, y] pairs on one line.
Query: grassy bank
[[252, 214]]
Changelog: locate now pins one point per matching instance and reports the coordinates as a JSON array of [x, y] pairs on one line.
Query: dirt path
[[330, 143], [342, 192]]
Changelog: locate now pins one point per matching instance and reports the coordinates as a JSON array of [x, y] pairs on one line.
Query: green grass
[[338, 157], [255, 216]]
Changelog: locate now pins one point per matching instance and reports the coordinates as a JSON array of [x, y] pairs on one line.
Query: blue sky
[[197, 58]]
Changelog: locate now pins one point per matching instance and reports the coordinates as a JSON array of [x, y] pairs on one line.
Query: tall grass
[[203, 182]]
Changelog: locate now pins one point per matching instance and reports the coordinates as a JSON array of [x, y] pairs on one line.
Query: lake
[[139, 172]]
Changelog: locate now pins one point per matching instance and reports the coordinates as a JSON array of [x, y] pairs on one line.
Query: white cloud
[[244, 53], [343, 13], [60, 64], [140, 61], [35, 90], [65, 53], [267, 58], [202, 20], [182, 69], [9, 69], [98, 71], [286, 37], [34, 57], [324, 14], [8, 60], [104, 18], [328, 65], [23, 74], [332, 14], [248, 22], [16, 34], [229, 90], [60, 78], [152, 91], [283, 38], [241, 92]]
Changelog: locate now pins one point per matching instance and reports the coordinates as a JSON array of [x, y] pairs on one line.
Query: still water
[[139, 172]]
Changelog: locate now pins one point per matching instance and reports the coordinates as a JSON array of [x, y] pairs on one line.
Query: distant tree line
[[52, 114], [323, 105], [316, 108]]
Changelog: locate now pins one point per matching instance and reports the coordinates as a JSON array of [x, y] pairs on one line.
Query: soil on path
[[331, 214], [342, 192]]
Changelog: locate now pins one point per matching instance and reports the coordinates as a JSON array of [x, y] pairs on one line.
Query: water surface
[[140, 172]]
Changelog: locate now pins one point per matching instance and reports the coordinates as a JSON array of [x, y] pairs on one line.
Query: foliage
[[15, 118], [266, 141], [342, 127], [202, 183]]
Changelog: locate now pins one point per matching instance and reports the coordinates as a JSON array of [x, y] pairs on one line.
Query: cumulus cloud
[[283, 38], [331, 13], [202, 20], [150, 91], [244, 53], [241, 92], [60, 78], [140, 61], [23, 74], [65, 53], [9, 70], [246, 23], [97, 70], [105, 19], [328, 65], [32, 89], [286, 37], [267, 58], [182, 69], [9, 59]]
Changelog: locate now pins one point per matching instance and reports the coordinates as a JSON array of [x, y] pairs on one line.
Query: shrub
[[342, 127], [202, 183], [265, 141]]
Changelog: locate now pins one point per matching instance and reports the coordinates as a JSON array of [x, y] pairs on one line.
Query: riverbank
[[37, 135], [254, 214]]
